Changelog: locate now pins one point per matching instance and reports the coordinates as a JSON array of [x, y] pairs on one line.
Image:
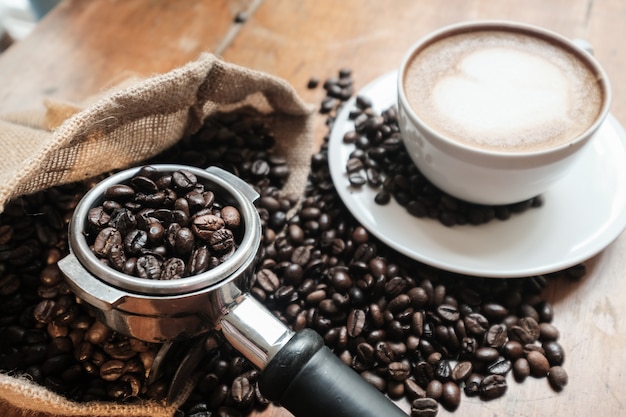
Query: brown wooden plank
[[83, 47]]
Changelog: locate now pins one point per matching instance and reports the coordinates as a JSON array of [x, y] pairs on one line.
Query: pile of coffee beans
[[46, 335], [418, 334], [381, 161], [163, 226]]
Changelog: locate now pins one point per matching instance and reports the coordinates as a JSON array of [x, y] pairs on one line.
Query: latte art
[[502, 91]]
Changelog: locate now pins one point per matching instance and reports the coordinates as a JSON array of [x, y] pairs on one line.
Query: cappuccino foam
[[503, 91]]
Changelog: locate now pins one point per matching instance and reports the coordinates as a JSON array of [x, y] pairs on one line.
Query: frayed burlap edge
[[23, 394], [147, 118]]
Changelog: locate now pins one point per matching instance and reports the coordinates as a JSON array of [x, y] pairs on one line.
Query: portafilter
[[297, 369]]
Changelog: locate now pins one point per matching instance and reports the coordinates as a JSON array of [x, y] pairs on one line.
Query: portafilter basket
[[297, 370]]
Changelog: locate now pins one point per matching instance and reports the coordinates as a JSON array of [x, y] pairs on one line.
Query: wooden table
[[83, 47]]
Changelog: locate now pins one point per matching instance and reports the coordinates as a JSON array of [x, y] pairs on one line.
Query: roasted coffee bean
[[356, 322], [149, 267], [461, 371], [341, 279], [554, 352], [301, 255], [199, 261], [548, 331], [119, 191], [531, 327], [496, 336], [513, 350], [231, 217], [222, 240], [98, 333], [539, 365], [106, 238], [476, 324], [144, 183], [267, 280], [182, 239], [242, 391], [448, 312], [376, 315], [119, 349], [385, 353], [149, 200], [117, 257], [442, 370], [97, 217], [494, 311], [417, 323], [183, 180], [486, 354], [173, 268], [399, 303], [196, 201], [123, 220], [500, 366], [492, 387], [45, 311], [394, 389], [203, 226], [399, 371], [472, 384], [520, 334], [424, 407], [413, 390], [557, 376], [418, 296], [434, 389], [155, 233], [111, 370], [423, 373], [451, 395], [375, 380], [366, 352], [135, 241], [521, 369]]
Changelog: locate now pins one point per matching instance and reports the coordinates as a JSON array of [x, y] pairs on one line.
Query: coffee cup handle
[[307, 379]]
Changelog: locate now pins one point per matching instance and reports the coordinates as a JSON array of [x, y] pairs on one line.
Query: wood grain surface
[[84, 47]]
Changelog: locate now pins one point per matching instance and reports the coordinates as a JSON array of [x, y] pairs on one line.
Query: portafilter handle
[[298, 370]]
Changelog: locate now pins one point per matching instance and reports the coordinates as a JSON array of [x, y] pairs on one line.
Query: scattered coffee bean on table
[[381, 161], [409, 329]]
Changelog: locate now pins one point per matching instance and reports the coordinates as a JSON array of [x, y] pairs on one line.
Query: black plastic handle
[[307, 379]]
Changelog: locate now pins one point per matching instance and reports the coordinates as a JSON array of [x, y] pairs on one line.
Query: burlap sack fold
[[120, 130], [147, 118]]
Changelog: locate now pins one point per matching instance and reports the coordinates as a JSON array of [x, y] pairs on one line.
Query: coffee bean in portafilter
[[163, 226], [413, 331]]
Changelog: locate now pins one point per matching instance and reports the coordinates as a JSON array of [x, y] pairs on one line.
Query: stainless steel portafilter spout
[[298, 371]]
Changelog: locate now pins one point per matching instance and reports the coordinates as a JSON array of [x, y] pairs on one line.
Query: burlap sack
[[121, 129]]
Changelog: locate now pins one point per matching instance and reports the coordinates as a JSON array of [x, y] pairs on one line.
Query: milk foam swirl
[[503, 91]]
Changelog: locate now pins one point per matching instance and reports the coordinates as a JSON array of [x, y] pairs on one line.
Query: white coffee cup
[[495, 112]]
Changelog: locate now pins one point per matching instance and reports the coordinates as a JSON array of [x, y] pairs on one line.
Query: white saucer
[[581, 215]]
